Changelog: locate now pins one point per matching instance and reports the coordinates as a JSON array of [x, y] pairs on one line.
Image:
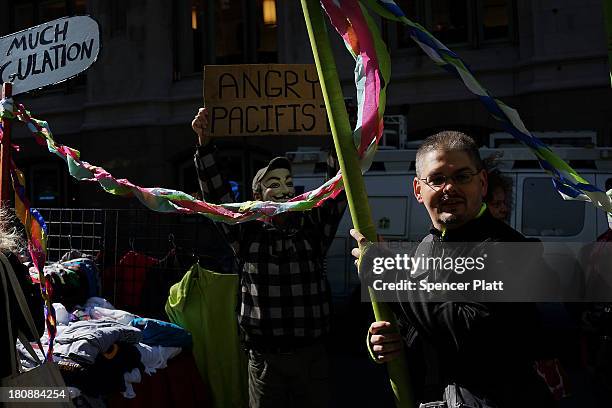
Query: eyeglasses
[[437, 181]]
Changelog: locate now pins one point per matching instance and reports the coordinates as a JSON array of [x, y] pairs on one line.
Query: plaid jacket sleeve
[[216, 190]]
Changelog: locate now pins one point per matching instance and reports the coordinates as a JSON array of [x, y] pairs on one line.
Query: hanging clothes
[[124, 282], [159, 279], [204, 303]]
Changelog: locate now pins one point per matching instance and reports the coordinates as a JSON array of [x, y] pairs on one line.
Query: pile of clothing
[[101, 350], [74, 279]]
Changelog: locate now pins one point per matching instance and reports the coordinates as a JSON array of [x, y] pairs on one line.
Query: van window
[[545, 213]]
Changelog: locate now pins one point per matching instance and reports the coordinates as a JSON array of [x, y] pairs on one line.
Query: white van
[[537, 209]]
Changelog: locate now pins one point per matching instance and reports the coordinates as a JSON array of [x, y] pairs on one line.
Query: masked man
[[284, 294]]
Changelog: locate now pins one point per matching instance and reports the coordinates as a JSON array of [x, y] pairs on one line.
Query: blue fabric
[[235, 189], [160, 333], [88, 267]]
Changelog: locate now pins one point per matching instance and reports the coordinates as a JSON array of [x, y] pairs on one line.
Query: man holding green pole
[[480, 350]]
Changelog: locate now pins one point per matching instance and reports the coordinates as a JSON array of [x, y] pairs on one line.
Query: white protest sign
[[49, 53]]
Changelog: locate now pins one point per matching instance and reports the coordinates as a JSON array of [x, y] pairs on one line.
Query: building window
[[23, 17], [412, 12], [229, 33], [449, 20], [117, 11], [456, 22], [197, 33], [224, 32], [51, 9], [46, 186], [267, 48], [495, 20], [26, 14]]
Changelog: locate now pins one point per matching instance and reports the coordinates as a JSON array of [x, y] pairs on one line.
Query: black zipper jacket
[[489, 348]]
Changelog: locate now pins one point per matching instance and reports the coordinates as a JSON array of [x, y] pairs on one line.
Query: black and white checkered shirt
[[284, 296]]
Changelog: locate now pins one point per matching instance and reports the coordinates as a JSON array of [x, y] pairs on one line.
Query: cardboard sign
[[49, 53], [268, 99]]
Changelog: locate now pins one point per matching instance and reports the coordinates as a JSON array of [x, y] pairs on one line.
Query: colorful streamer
[[36, 232], [161, 199], [566, 180], [372, 72]]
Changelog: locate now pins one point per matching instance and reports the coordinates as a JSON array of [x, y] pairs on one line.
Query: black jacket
[[489, 348], [35, 304]]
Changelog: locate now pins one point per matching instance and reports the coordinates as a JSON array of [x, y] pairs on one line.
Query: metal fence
[[109, 236], [177, 241]]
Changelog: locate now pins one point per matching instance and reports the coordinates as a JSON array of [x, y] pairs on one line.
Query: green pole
[[607, 6], [353, 181]]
